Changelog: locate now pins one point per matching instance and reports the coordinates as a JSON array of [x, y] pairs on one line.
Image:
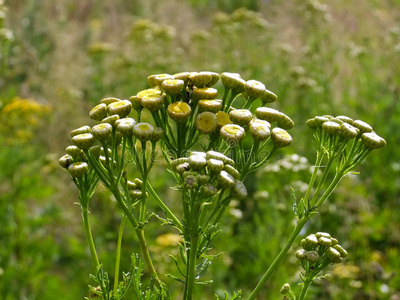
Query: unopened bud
[[65, 161], [301, 254], [102, 131], [232, 134], [348, 131], [143, 131], [99, 112], [197, 162], [331, 127], [109, 100], [312, 256], [172, 86], [215, 165], [179, 111], [285, 289], [268, 97], [210, 105], [125, 126], [201, 79], [333, 255], [83, 141], [190, 182], [239, 190], [204, 93], [152, 102], [241, 117], [78, 169], [120, 108], [372, 141], [280, 137], [254, 89], [225, 180], [268, 114], [260, 129], [208, 190], [110, 120], [80, 130], [363, 126], [341, 250]]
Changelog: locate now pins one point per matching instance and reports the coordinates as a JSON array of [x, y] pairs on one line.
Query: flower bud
[[280, 138], [74, 151], [138, 182], [190, 182], [161, 77], [363, 126], [301, 254], [233, 81], [208, 190], [202, 179], [78, 169], [125, 126], [216, 155], [215, 165], [178, 161], [150, 81], [143, 131], [157, 134], [199, 153], [83, 141], [334, 242], [241, 117], [152, 102], [324, 242], [99, 112], [284, 121], [136, 102], [340, 249], [232, 171], [65, 161], [331, 128], [183, 76], [285, 289], [197, 162], [323, 234], [210, 105], [206, 122], [184, 167], [320, 120], [80, 130], [109, 100], [312, 256], [110, 120], [131, 185], [232, 134], [348, 131], [222, 119], [239, 190], [214, 78], [135, 194], [102, 131], [312, 123], [268, 97], [254, 89], [333, 255], [120, 108], [268, 114], [311, 242], [372, 141], [225, 180], [95, 151], [345, 119], [179, 111], [204, 93], [172, 86], [201, 79], [260, 130]]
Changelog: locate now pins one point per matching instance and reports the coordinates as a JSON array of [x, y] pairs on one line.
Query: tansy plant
[[210, 145]]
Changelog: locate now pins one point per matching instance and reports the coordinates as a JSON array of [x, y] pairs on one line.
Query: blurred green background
[[59, 58]]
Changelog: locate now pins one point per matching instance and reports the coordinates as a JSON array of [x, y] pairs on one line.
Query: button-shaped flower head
[[83, 141], [210, 105], [143, 131], [372, 141], [179, 111], [172, 86], [204, 93], [254, 89], [280, 137], [232, 134], [260, 130], [102, 131], [206, 122], [120, 108], [268, 97], [99, 112], [241, 117], [78, 169], [125, 126]]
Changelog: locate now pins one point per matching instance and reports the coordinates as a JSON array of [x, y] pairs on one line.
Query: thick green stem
[[191, 268], [278, 259], [145, 250], [118, 255], [304, 289], [89, 238]]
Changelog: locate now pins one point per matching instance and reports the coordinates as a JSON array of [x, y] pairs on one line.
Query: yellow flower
[[169, 239]]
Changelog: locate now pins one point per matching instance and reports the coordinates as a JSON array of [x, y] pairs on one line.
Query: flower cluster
[[208, 173]]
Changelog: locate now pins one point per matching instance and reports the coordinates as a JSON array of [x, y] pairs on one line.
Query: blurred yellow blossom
[[169, 239], [346, 271], [20, 118]]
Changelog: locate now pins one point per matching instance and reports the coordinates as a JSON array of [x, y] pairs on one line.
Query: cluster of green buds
[[186, 106], [209, 173], [318, 251]]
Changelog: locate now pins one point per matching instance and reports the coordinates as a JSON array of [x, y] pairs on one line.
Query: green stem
[[145, 250], [89, 238], [118, 256], [191, 267], [304, 289], [318, 162], [278, 259]]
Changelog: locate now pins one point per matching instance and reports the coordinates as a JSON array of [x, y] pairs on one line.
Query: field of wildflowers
[[59, 60]]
